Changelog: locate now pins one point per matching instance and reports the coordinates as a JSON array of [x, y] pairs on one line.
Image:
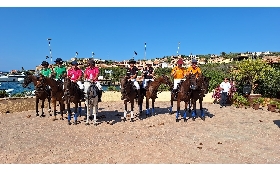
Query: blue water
[[19, 89]]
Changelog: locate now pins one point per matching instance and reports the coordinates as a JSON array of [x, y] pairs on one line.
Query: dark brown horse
[[41, 93], [72, 93], [182, 95], [56, 93], [152, 90], [130, 93], [200, 88]]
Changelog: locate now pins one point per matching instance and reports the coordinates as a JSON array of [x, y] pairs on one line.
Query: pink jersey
[[91, 73], [74, 74]]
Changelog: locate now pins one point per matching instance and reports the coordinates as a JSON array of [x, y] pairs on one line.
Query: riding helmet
[[180, 61], [131, 61], [194, 61], [91, 62], [44, 63], [58, 60], [74, 62]]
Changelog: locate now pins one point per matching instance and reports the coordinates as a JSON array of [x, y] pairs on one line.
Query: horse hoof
[[193, 118], [132, 119], [75, 123], [203, 118], [69, 123], [87, 123], [177, 120], [185, 120]]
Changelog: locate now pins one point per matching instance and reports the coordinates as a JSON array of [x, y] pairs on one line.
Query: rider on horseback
[[193, 69], [148, 73], [46, 71], [59, 71], [131, 74], [91, 76], [75, 74], [178, 73]]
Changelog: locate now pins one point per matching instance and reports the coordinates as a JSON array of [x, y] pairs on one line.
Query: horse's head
[[27, 80], [167, 81], [194, 81], [67, 84]]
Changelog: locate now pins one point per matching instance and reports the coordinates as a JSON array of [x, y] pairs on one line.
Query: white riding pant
[[176, 82], [80, 85], [146, 81], [136, 84], [87, 85]]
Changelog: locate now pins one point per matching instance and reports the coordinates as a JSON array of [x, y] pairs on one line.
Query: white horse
[[91, 101]]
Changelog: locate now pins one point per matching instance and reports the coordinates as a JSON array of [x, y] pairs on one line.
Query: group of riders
[[91, 73]]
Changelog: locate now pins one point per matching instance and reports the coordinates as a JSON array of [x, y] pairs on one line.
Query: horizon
[[114, 33]]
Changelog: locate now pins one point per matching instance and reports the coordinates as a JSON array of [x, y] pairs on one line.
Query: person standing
[[179, 74], [225, 91], [91, 76], [148, 73]]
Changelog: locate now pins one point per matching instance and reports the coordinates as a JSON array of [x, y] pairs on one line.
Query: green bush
[[112, 88], [3, 94]]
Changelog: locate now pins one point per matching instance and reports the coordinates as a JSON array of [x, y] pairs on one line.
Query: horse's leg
[[87, 111], [42, 107], [171, 103], [62, 108], [185, 111], [49, 102], [36, 106], [69, 112], [54, 108], [76, 113], [201, 109], [178, 109], [153, 106], [125, 110], [147, 106], [80, 109], [194, 109], [94, 108], [131, 112]]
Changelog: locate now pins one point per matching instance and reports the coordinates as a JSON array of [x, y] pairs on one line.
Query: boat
[[18, 77]]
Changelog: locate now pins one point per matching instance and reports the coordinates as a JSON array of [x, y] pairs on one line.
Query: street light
[[49, 39]]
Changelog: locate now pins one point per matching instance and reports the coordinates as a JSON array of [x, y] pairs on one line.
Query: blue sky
[[115, 32]]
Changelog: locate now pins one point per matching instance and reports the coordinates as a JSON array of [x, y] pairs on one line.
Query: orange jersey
[[179, 72], [194, 71]]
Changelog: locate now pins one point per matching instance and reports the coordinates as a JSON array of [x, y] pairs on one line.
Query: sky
[[115, 32]]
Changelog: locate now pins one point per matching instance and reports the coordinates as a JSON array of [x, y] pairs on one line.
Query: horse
[[91, 101], [72, 93], [183, 95], [200, 88], [56, 93], [130, 93], [40, 93], [152, 89]]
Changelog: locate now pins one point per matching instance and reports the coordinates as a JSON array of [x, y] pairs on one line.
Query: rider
[[59, 70], [178, 73], [193, 69], [91, 75], [46, 71], [75, 74], [148, 73], [131, 74]]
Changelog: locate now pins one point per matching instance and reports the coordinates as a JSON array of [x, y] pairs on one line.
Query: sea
[[18, 88]]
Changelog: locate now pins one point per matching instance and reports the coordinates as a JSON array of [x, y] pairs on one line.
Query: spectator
[[225, 91]]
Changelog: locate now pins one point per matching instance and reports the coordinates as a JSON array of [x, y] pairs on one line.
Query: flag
[[47, 57], [76, 53], [135, 53]]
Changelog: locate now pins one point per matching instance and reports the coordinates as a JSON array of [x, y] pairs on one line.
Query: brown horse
[[130, 93], [72, 93], [200, 88], [40, 93], [56, 93], [182, 95], [152, 89]]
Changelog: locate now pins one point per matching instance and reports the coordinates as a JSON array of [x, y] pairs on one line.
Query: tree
[[252, 70]]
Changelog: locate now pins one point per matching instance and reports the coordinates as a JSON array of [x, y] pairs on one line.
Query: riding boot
[[99, 95]]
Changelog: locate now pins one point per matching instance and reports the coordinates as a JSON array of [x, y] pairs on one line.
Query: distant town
[[170, 61]]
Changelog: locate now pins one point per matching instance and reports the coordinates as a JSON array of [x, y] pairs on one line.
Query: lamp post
[[49, 39]]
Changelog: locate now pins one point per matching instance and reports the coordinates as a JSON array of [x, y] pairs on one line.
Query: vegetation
[[3, 94]]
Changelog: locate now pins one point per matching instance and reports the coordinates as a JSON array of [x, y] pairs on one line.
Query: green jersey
[[46, 72], [59, 71]]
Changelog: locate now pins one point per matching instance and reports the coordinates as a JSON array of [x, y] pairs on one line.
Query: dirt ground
[[227, 136]]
